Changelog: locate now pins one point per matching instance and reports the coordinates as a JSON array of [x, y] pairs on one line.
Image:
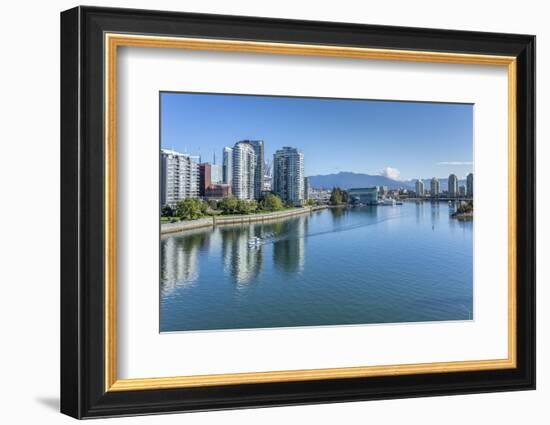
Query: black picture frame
[[83, 392]]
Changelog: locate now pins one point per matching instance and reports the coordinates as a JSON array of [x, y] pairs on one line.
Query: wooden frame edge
[[114, 40], [306, 375]]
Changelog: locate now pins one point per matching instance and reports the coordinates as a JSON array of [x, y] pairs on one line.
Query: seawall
[[183, 225]]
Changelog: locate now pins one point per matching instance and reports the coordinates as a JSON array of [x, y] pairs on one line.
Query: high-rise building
[[205, 178], [244, 171], [268, 177], [227, 165], [288, 175], [419, 187], [306, 188], [434, 187], [470, 185], [216, 173], [452, 185], [179, 177], [258, 147]]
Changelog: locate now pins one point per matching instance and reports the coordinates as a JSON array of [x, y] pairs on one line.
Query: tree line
[[338, 196], [192, 209]]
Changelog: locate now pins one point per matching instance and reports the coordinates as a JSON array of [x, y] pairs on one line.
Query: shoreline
[[214, 221], [469, 216]]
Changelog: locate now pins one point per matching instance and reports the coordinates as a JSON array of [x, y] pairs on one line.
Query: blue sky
[[402, 140]]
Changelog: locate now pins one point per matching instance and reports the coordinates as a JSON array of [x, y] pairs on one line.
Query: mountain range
[[348, 180]]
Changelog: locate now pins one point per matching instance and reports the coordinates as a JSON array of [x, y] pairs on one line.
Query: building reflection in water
[[242, 262], [289, 244], [419, 210], [435, 212], [181, 254], [179, 257]]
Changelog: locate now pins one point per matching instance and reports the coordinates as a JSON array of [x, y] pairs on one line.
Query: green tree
[[310, 202], [190, 209], [466, 208], [229, 205], [167, 211], [271, 202], [246, 207], [336, 196], [213, 204], [203, 206]]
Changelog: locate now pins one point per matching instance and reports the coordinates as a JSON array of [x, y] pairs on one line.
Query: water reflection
[[179, 256], [338, 214], [434, 212], [286, 240], [399, 263], [240, 261], [419, 211], [289, 244]]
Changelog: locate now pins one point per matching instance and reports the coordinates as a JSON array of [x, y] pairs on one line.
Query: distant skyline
[[400, 140]]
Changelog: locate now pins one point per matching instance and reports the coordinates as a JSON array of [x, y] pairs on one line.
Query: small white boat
[[254, 242], [388, 202]]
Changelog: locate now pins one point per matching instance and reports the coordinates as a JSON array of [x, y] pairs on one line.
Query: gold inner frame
[[113, 41]]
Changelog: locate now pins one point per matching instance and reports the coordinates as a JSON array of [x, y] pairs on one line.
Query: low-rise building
[[321, 196], [366, 195], [218, 191]]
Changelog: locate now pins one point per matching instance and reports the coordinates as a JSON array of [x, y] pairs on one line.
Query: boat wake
[[270, 238]]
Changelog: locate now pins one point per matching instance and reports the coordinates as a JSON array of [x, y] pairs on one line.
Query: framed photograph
[[261, 212]]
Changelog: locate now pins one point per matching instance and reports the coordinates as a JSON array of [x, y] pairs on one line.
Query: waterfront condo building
[[244, 170], [227, 165], [434, 187], [419, 187], [470, 185], [452, 185], [288, 175], [258, 147], [179, 177]]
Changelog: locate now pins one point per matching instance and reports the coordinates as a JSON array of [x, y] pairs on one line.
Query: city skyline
[[204, 124]]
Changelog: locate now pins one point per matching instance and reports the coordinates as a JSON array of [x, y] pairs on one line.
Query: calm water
[[384, 264]]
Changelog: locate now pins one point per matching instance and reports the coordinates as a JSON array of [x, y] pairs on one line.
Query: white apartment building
[[243, 170], [435, 187], [179, 177], [452, 184], [419, 187], [288, 175]]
